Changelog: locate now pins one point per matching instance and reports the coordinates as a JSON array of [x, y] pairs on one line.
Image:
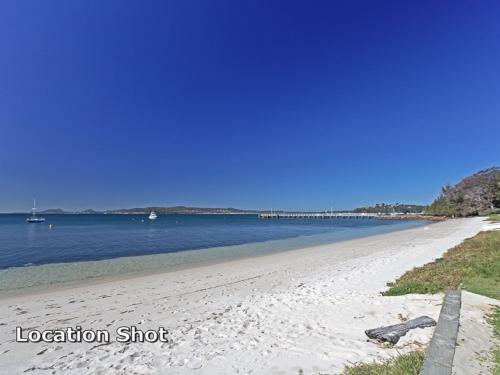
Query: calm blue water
[[76, 238], [87, 246]]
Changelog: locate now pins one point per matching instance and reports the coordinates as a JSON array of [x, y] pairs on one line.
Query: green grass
[[494, 320], [495, 218], [474, 264], [407, 364]]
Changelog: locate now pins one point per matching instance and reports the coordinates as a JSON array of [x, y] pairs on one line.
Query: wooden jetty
[[316, 215]]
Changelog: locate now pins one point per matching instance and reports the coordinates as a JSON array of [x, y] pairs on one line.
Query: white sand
[[303, 309]]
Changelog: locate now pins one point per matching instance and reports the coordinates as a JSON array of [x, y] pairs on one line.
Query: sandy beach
[[304, 310]]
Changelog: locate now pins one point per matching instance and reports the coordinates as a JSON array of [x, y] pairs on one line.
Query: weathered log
[[393, 333]]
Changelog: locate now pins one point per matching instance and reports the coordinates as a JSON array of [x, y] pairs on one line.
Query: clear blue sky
[[251, 104]]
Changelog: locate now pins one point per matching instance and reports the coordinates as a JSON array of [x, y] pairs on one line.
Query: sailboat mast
[[34, 206]]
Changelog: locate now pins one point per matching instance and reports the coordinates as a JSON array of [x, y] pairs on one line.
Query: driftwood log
[[393, 333]]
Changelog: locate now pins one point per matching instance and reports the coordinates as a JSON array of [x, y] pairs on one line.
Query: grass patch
[[495, 218], [475, 264], [494, 320], [406, 364]]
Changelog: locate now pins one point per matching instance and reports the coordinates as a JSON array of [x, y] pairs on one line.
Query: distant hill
[[89, 211], [478, 194], [50, 211], [387, 208], [180, 210], [158, 210]]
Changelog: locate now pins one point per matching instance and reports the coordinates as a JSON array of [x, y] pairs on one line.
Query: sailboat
[[33, 218], [152, 216]]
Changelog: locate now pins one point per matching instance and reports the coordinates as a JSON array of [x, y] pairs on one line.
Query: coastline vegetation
[[474, 264], [404, 364], [388, 208], [478, 194]]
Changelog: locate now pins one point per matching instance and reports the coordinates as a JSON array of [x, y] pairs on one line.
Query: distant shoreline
[[382, 209], [133, 213]]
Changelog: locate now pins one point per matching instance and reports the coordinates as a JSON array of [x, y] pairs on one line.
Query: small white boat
[[152, 216], [33, 218]]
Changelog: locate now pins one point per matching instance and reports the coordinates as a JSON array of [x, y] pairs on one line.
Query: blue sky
[[261, 104]]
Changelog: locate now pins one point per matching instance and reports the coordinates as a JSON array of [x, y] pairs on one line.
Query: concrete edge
[[439, 355]]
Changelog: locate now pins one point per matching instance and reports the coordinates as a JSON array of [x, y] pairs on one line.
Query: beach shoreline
[[275, 313], [285, 245]]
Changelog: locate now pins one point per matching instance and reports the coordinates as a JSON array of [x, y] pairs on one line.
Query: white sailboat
[[152, 216], [33, 218]]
